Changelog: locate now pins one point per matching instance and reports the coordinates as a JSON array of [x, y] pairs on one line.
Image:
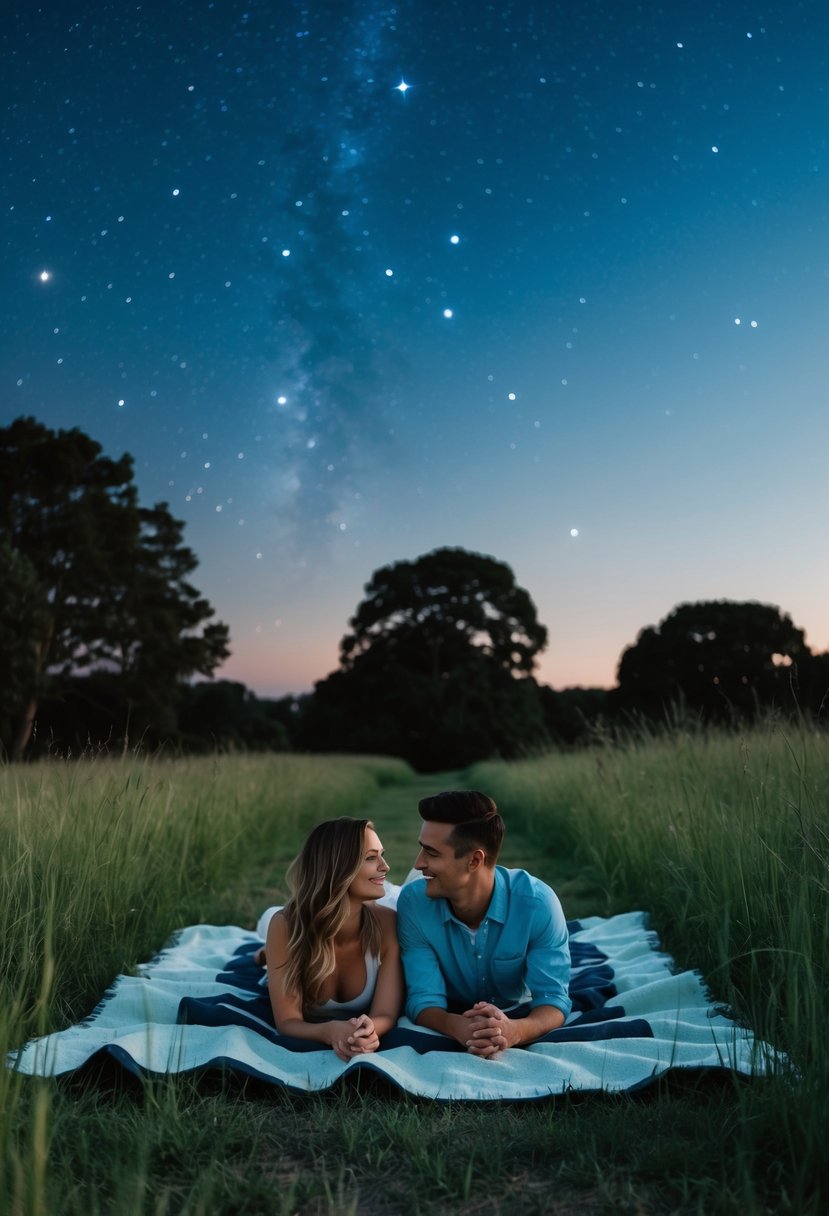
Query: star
[[402, 87], [45, 276]]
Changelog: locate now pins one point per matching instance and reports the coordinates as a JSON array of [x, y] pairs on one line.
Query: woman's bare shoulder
[[386, 916], [278, 936]]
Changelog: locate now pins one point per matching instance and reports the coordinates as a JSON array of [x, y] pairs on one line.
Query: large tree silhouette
[[446, 607], [109, 579], [722, 659], [436, 667]]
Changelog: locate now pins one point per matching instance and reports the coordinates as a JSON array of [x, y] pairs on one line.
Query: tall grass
[[724, 840], [101, 860]]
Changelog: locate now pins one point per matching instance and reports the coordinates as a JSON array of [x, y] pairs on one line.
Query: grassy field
[[723, 840]]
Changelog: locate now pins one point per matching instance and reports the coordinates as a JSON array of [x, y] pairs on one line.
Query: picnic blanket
[[200, 1005]]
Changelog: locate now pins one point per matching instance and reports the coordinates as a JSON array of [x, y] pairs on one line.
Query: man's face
[[446, 875]]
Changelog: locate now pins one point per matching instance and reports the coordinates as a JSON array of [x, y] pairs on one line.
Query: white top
[[359, 1003], [345, 1009]]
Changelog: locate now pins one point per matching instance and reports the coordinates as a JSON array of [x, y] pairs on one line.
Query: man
[[485, 949]]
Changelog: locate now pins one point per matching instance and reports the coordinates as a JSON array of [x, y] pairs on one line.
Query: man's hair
[[477, 824]]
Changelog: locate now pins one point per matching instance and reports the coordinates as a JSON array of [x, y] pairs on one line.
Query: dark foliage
[[101, 632], [224, 714], [91, 715], [431, 614], [724, 661], [436, 668], [574, 715], [96, 583]]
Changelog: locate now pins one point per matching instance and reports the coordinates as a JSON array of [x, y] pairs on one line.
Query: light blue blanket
[[634, 1018]]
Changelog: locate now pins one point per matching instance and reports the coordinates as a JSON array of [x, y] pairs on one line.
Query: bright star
[[447, 312], [454, 239], [402, 87], [45, 276], [574, 532]]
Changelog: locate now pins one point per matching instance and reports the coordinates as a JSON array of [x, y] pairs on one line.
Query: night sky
[[351, 282]]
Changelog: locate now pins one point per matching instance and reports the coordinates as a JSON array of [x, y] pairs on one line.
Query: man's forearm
[[539, 1021], [453, 1024]]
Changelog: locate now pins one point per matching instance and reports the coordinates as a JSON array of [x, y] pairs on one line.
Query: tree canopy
[[436, 667], [722, 658], [109, 579], [101, 629], [445, 607]]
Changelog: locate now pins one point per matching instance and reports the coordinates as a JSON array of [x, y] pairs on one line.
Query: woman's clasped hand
[[354, 1037]]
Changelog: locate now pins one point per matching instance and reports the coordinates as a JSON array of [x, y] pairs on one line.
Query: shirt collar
[[497, 909]]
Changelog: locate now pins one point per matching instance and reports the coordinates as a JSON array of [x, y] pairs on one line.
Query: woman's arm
[[388, 995], [286, 1006]]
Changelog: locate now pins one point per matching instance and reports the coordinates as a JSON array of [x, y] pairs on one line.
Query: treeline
[[103, 638], [414, 688]]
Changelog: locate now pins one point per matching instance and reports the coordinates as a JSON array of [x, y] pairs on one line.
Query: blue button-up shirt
[[519, 954]]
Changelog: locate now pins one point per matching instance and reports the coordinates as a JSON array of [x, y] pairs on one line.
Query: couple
[[484, 949]]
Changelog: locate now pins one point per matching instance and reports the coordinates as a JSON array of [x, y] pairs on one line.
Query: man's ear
[[477, 858]]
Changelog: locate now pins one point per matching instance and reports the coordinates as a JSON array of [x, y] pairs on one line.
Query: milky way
[[351, 281]]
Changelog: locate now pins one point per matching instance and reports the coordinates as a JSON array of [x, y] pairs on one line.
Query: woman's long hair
[[319, 878]]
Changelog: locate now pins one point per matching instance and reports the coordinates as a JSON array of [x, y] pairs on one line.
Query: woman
[[333, 961]]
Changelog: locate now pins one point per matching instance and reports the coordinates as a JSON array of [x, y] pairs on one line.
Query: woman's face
[[369, 881]]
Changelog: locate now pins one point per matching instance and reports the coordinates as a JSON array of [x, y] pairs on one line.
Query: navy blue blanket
[[200, 1005]]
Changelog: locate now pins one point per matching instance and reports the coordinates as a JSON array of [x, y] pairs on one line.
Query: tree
[[446, 607], [574, 715], [720, 658], [223, 713], [437, 666], [812, 686], [23, 618], [111, 576]]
